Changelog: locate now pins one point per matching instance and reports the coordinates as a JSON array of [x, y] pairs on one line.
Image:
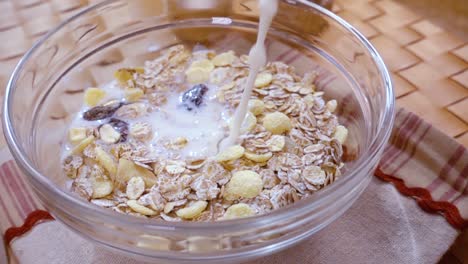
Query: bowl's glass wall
[[85, 52]]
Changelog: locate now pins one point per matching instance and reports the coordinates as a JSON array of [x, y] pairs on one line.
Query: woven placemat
[[428, 64]]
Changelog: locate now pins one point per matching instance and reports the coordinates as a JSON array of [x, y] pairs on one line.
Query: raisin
[[121, 127], [101, 111], [193, 97]]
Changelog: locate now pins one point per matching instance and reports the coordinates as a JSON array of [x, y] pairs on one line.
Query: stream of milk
[[257, 59]]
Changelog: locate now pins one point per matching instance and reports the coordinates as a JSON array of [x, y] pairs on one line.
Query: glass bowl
[[46, 90]]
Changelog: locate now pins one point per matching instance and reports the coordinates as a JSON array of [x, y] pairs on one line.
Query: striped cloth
[[419, 160], [424, 163]]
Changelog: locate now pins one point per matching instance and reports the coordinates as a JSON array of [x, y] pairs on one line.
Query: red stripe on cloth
[[322, 75], [284, 55], [434, 184], [446, 169], [424, 199], [457, 187], [461, 178], [395, 136], [464, 191], [413, 150], [459, 197], [30, 198], [6, 212], [328, 80], [15, 202], [31, 220], [19, 178], [448, 195], [293, 58], [402, 139], [17, 190]]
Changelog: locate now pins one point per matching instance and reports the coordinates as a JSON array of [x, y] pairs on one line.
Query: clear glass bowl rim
[[368, 156]]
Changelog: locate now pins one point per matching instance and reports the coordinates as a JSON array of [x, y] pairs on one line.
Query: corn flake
[[93, 96], [193, 210], [243, 184], [277, 123], [230, 154], [263, 79], [239, 210]]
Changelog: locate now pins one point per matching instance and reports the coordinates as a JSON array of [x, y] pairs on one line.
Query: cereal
[[203, 64], [276, 143], [239, 210], [263, 79], [127, 170], [243, 184], [83, 144], [249, 122], [150, 143], [193, 210], [199, 71], [76, 135], [197, 75], [231, 153], [293, 88], [93, 96], [179, 142], [256, 106], [331, 105], [175, 168], [101, 188], [135, 206], [71, 165], [133, 94], [306, 90], [108, 134], [341, 134], [170, 205], [224, 59], [277, 123], [141, 131], [314, 175], [125, 75], [135, 188], [258, 157], [131, 111], [106, 161]]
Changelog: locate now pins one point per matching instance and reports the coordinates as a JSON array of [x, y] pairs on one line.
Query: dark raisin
[[101, 112], [121, 127], [193, 97]]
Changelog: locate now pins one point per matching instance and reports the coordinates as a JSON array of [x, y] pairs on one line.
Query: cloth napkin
[[385, 225]]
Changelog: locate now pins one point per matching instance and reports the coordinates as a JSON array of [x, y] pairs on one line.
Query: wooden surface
[[429, 65]]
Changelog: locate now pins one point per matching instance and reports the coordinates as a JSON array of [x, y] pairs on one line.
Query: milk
[[204, 127], [257, 59]]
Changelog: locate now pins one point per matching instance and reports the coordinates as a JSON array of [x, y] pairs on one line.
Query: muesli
[[147, 144]]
